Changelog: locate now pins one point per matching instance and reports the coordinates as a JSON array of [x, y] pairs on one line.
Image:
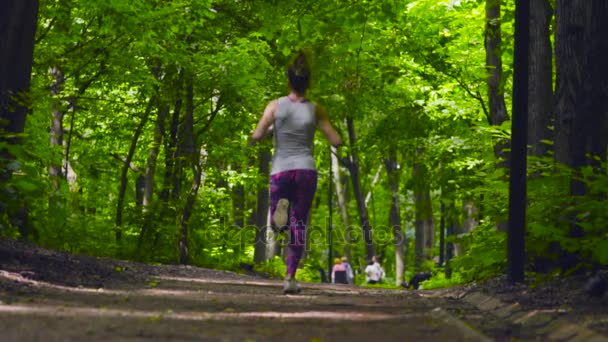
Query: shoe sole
[[280, 215]]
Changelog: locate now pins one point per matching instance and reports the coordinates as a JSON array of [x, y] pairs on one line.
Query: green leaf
[[600, 252]]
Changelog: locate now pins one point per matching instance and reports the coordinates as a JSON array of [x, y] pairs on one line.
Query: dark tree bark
[[540, 96], [261, 220], [18, 21], [516, 255], [353, 168], [594, 111], [582, 108], [569, 61], [395, 219]]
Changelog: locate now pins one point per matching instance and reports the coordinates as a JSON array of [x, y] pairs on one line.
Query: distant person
[[374, 273], [350, 275], [293, 120], [339, 273]]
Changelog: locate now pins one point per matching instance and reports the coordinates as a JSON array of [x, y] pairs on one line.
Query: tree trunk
[[188, 151], [496, 81], [271, 241], [468, 224], [451, 229], [337, 179], [353, 167], [261, 222], [540, 95], [56, 132], [516, 254], [18, 22], [493, 41], [197, 168], [425, 227], [159, 132], [595, 103], [395, 219], [125, 169], [581, 50], [569, 61], [171, 148]]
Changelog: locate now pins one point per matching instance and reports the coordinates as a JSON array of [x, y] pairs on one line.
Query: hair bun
[[299, 73]]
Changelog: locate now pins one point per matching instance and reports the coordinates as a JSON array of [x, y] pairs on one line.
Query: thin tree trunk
[[395, 219], [493, 41], [540, 96], [368, 197], [159, 132], [261, 227], [450, 247], [442, 233], [56, 133], [188, 150], [337, 179], [496, 80], [353, 167], [271, 241], [171, 146], [125, 169], [197, 168]]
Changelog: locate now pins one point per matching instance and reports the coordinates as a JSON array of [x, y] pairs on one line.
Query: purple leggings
[[297, 186]]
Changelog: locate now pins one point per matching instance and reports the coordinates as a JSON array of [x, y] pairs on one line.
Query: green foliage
[[439, 280], [486, 253], [274, 267]]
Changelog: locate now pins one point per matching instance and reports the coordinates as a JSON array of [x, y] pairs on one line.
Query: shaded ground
[[53, 296]]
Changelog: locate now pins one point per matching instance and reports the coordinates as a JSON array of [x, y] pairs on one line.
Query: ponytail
[[298, 74]]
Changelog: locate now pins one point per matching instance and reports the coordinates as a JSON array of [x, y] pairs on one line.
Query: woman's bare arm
[[325, 126], [265, 125]]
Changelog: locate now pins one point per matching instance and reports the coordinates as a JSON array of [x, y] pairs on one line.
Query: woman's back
[[294, 129]]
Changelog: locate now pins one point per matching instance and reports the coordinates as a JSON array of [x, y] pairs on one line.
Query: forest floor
[[48, 295]]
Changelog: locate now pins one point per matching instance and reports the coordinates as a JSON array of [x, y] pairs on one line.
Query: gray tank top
[[294, 129]]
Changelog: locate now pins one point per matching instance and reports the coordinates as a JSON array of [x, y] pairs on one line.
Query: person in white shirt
[[374, 273]]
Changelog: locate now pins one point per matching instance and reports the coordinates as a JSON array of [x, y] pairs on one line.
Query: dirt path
[[220, 307], [47, 295]]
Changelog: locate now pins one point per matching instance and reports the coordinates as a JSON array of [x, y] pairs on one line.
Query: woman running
[[293, 178]]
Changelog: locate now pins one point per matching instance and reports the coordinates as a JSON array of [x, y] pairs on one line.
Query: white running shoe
[[280, 215], [290, 286]]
